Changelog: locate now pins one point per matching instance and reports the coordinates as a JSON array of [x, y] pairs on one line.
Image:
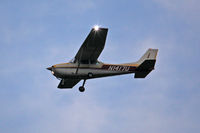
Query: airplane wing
[[92, 46], [68, 83]]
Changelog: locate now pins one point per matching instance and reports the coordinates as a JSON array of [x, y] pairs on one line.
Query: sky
[[37, 34]]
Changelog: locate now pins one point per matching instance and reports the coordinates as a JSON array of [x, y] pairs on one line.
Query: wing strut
[[79, 61], [77, 67]]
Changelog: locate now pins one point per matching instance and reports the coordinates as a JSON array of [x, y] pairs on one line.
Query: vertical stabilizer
[[149, 55], [146, 63]]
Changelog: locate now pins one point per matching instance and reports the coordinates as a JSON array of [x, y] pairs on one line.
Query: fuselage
[[87, 71], [85, 64]]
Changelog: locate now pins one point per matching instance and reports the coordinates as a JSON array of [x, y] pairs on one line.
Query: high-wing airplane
[[85, 64]]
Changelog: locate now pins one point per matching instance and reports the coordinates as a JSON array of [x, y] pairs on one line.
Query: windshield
[[72, 60]]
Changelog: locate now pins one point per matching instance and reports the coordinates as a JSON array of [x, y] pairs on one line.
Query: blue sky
[[37, 34]]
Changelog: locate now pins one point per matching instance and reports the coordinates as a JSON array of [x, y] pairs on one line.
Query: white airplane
[[85, 65]]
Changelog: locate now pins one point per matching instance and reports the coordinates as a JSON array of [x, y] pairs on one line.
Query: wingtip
[[99, 29]]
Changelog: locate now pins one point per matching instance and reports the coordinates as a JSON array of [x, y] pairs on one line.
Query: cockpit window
[[72, 60], [89, 62], [85, 61]]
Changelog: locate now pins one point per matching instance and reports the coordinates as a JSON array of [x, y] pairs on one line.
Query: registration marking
[[119, 68]]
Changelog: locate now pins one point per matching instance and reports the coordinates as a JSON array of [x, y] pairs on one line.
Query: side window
[[97, 63]]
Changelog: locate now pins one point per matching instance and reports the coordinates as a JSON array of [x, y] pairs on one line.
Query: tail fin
[[146, 63], [149, 55]]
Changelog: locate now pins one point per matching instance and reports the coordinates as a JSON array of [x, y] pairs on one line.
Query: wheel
[[90, 75], [81, 89]]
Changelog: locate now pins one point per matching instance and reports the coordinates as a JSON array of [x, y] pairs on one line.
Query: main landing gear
[[82, 88]]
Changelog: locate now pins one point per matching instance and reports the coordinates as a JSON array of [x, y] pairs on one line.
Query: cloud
[[188, 9], [49, 113], [80, 6]]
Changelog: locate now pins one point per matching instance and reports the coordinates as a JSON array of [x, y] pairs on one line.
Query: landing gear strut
[[82, 88]]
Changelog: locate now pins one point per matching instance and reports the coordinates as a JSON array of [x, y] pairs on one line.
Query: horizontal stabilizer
[[145, 68], [147, 65], [141, 74]]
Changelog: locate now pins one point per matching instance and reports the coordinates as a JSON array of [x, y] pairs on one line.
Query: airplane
[[85, 64]]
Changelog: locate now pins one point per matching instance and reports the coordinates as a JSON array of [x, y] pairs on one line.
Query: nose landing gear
[[82, 88]]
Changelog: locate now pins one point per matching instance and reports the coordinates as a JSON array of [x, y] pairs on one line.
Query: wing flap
[[68, 83]]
